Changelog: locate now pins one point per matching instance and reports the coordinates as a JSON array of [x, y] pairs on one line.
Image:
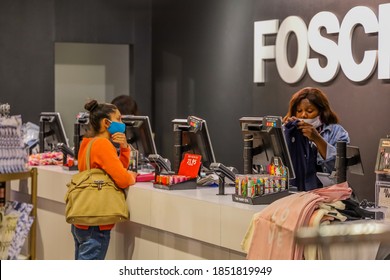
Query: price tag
[[190, 165]]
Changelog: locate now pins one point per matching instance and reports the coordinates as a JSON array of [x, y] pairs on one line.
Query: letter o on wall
[[292, 24]]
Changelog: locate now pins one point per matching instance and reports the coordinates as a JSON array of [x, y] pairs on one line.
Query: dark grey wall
[[203, 65], [26, 57], [29, 29]]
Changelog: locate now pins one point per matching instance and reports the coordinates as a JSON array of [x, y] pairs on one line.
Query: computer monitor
[[264, 139], [81, 127], [51, 131], [139, 135], [192, 136]]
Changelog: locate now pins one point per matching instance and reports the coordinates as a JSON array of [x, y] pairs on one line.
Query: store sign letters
[[337, 54]]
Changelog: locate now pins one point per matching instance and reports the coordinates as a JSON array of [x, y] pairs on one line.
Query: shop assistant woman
[[312, 130], [91, 242]]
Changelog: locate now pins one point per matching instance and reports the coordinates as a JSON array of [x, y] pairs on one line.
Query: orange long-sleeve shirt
[[104, 156]]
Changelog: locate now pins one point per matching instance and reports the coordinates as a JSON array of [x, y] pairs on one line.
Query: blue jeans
[[91, 243]]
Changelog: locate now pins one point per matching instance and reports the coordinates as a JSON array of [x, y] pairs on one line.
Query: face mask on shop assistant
[[316, 122]]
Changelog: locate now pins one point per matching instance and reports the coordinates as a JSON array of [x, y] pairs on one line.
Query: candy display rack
[[263, 188], [186, 185]]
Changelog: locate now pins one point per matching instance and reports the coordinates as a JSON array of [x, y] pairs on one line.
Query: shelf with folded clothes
[[20, 217]]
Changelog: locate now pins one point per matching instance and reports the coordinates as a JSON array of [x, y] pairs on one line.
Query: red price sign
[[190, 165], [192, 162]]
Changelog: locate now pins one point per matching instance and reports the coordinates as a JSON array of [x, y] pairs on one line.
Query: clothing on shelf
[[271, 233], [7, 231], [14, 227], [15, 219], [13, 154], [46, 158]]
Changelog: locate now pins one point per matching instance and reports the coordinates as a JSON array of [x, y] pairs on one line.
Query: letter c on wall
[[366, 17]]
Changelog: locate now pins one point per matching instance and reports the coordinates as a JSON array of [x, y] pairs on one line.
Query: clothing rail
[[347, 233]]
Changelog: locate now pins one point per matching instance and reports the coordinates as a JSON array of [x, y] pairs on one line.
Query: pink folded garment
[[145, 177], [275, 226], [335, 192]]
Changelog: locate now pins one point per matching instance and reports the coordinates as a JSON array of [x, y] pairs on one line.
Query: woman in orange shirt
[[91, 242]]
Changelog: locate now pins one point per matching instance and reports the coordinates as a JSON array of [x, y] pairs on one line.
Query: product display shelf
[[262, 199], [33, 174], [187, 185]]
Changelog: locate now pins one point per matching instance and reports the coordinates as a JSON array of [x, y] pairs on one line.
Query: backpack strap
[[89, 153]]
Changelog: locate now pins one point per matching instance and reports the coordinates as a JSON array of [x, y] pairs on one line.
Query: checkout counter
[[196, 223], [181, 224]]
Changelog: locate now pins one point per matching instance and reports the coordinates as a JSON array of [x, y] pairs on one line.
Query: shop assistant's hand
[[313, 135], [309, 131], [120, 138], [290, 119]]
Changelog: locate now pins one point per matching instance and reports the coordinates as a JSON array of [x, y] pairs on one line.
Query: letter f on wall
[[261, 51]]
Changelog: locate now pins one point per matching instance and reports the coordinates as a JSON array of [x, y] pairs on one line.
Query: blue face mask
[[116, 127]]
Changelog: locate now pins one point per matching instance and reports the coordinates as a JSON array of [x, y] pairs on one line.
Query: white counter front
[[164, 224]]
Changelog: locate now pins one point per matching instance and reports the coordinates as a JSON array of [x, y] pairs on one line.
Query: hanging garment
[[304, 158]]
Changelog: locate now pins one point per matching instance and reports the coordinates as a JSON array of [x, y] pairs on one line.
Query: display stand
[[267, 163], [33, 174], [277, 183], [259, 200], [164, 176], [187, 185]]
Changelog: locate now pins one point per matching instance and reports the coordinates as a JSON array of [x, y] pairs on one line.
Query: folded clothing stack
[[13, 154]]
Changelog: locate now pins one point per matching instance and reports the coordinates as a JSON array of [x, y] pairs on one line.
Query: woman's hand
[[290, 119], [134, 174], [120, 138], [312, 134], [309, 131]]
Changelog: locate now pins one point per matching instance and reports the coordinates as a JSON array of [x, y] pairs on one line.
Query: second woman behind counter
[[126, 105]]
